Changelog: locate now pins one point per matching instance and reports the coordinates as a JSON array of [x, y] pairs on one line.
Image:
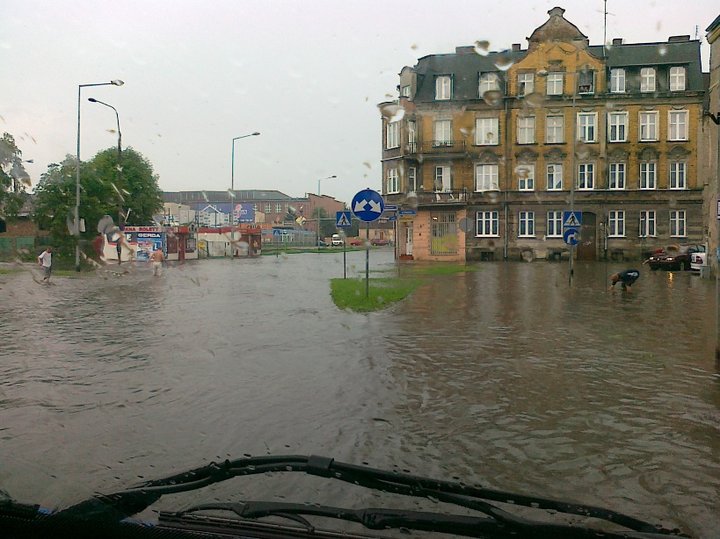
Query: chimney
[[617, 41], [516, 46], [467, 49], [679, 38]]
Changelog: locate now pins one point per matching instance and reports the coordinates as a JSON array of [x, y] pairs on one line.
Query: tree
[[107, 187], [13, 177]]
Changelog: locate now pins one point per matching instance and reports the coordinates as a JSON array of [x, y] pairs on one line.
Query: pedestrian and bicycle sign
[[572, 221], [343, 219], [367, 205]]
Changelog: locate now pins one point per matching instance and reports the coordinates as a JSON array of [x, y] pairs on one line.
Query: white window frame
[[554, 129], [526, 176], [586, 176], [648, 125], [405, 91], [392, 135], [487, 224], [412, 136], [526, 83], [443, 135], [677, 175], [268, 207], [412, 179], [554, 224], [647, 224], [647, 79], [617, 126], [678, 125], [486, 177], [443, 87], [678, 224], [677, 79], [443, 177], [278, 207], [526, 130], [488, 82], [526, 224], [617, 81], [587, 126], [392, 184], [554, 83], [648, 175], [554, 176], [485, 127], [616, 224], [617, 176]]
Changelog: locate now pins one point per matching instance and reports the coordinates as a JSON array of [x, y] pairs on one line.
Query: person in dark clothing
[[626, 278]]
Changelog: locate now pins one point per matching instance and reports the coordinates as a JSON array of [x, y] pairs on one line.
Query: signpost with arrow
[[368, 206]]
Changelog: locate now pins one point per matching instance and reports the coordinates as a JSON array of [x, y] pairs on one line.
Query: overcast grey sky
[[307, 74]]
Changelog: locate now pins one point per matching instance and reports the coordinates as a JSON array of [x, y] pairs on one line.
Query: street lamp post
[[232, 190], [119, 152], [116, 82], [318, 209]]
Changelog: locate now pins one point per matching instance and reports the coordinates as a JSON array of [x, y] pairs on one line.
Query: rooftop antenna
[[604, 28], [697, 32]]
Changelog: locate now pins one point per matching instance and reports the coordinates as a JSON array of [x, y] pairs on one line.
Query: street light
[[232, 189], [116, 82], [318, 209], [119, 151]]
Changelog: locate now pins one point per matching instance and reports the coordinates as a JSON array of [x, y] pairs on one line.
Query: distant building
[[490, 148]]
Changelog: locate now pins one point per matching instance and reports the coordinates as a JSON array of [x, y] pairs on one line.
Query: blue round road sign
[[367, 205], [571, 236]]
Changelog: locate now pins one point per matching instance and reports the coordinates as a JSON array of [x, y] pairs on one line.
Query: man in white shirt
[[45, 260]]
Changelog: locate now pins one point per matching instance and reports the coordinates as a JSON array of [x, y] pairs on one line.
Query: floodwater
[[504, 376]]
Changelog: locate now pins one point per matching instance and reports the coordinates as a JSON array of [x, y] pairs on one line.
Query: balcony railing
[[453, 196], [443, 146]]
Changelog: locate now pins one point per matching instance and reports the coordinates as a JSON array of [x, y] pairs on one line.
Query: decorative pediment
[[648, 154], [486, 156], [679, 152], [556, 154], [618, 154], [526, 155]]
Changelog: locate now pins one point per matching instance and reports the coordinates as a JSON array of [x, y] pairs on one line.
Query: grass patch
[[8, 271], [350, 293]]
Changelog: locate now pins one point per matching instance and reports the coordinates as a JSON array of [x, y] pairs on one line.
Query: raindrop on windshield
[[503, 63], [493, 98], [393, 113], [662, 50], [535, 100], [482, 47]]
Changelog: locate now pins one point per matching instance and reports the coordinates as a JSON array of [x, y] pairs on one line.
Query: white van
[[337, 240]]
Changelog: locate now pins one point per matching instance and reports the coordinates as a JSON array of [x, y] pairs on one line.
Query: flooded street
[[504, 376]]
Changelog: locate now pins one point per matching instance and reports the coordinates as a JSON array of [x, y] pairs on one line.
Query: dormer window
[[489, 82], [677, 79], [443, 87], [586, 82], [405, 91], [526, 83], [647, 79], [617, 81]]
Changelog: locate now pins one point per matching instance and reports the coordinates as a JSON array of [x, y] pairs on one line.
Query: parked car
[[379, 242], [337, 240], [322, 243], [356, 242], [674, 257]]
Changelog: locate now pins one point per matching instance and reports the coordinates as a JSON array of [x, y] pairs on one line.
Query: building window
[[392, 135], [444, 234], [526, 83], [526, 224], [677, 224], [412, 179], [443, 133], [554, 129], [489, 82], [278, 208], [554, 177], [443, 87], [586, 82], [617, 126], [648, 126], [554, 83], [617, 81], [647, 79], [268, 207], [554, 224], [648, 175], [392, 181], [677, 79], [488, 224], [616, 176], [443, 179], [526, 177], [405, 91], [647, 223], [412, 136], [526, 130], [486, 131], [616, 224], [486, 178], [678, 128], [678, 173], [586, 176], [587, 122]]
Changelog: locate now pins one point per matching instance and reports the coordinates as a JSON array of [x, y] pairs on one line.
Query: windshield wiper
[[117, 506]]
